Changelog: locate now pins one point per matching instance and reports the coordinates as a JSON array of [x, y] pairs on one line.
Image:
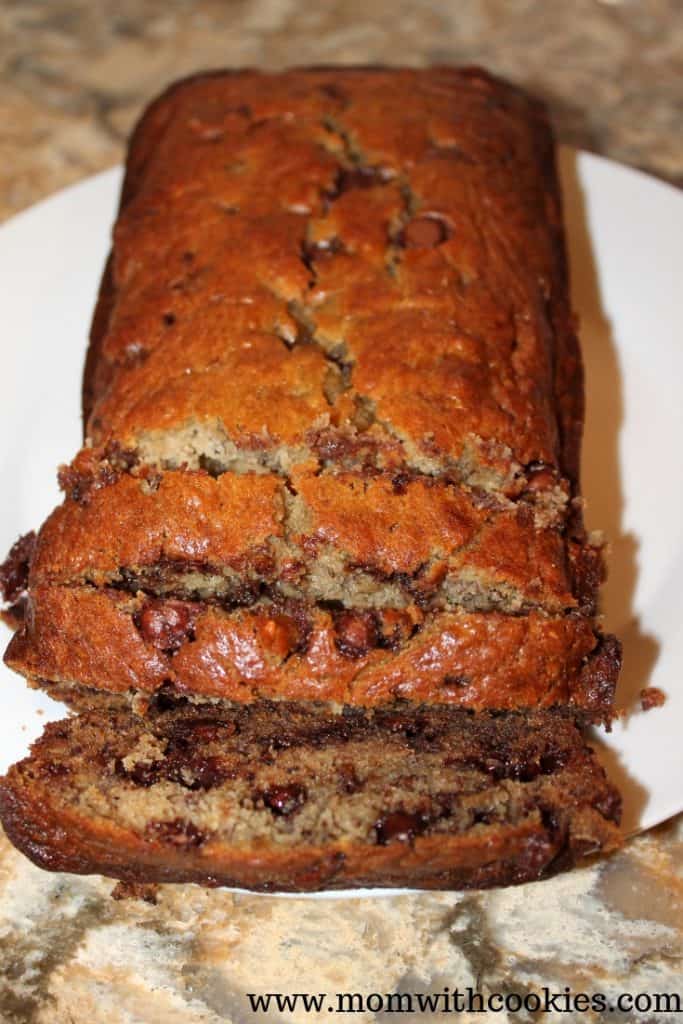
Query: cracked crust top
[[360, 252]]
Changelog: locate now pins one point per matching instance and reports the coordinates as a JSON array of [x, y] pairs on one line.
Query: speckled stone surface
[[73, 78], [74, 75]]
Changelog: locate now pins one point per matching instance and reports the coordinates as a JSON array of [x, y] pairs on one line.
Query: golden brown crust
[[185, 517], [460, 146]]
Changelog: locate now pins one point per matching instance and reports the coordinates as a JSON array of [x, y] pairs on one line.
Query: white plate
[[625, 233]]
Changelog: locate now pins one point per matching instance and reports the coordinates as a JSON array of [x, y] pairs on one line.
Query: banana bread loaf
[[333, 405], [320, 588]]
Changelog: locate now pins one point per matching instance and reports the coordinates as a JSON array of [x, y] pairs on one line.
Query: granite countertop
[[73, 78]]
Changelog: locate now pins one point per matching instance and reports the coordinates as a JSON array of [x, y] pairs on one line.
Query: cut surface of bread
[[292, 798]]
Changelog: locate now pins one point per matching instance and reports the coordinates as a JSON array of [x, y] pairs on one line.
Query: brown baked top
[[304, 258]]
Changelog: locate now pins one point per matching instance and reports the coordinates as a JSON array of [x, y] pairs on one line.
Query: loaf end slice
[[277, 797]]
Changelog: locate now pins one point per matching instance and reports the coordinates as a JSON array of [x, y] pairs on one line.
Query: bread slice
[[380, 540], [118, 643], [291, 797]]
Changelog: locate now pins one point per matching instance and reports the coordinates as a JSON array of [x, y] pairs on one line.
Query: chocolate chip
[[357, 633], [284, 800], [14, 570], [166, 625], [358, 177], [79, 486], [201, 773], [348, 780], [122, 459], [399, 483], [56, 769], [552, 761], [334, 91], [493, 767], [214, 467], [89, 472], [206, 730], [551, 820], [540, 476], [524, 771], [144, 773], [399, 826], [424, 232], [428, 738], [482, 817], [14, 615], [179, 832], [390, 721], [167, 698], [134, 354], [325, 247], [455, 680], [598, 676]]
